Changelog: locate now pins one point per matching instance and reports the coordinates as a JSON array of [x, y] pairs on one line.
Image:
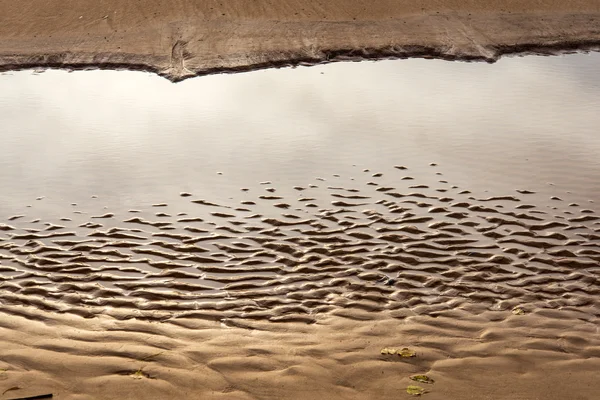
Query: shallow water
[[130, 137], [285, 226], [370, 186]]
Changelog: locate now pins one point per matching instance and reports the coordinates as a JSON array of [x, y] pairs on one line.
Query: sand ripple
[[351, 250]]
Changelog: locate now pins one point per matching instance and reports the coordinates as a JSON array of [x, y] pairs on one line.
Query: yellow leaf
[[415, 390], [422, 378], [518, 311], [406, 352], [403, 352]]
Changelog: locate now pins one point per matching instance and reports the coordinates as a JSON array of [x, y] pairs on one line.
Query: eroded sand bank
[[187, 38]]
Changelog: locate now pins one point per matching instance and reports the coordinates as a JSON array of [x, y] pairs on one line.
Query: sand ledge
[[181, 46], [79, 62]]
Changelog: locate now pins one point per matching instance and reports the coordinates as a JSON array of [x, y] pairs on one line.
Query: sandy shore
[[495, 355], [190, 38], [294, 293], [299, 292]]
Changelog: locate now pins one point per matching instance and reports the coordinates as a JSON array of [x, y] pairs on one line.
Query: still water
[[377, 193], [399, 186], [131, 137]]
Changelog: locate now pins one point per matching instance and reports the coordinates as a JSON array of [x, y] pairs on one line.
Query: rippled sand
[[292, 292]]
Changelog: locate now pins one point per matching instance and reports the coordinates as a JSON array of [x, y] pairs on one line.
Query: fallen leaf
[[406, 352], [422, 378], [518, 311], [403, 352], [415, 390]]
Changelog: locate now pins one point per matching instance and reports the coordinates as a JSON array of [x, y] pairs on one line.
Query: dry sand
[[497, 295], [185, 38]]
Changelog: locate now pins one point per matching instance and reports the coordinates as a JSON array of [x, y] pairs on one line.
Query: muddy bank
[[190, 38]]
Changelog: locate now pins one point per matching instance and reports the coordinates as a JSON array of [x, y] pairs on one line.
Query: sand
[[296, 292], [189, 38], [496, 355]]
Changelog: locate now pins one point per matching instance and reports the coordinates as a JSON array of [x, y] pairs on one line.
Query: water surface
[[284, 194], [131, 137]]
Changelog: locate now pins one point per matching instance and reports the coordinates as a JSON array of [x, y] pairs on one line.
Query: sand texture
[[498, 296], [186, 38]]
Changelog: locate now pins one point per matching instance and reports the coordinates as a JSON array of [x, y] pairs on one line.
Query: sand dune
[[187, 38]]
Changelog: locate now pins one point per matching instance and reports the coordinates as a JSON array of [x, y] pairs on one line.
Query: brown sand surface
[[184, 38], [495, 355], [294, 293]]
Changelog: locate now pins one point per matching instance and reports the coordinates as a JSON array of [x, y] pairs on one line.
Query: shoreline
[[188, 43], [13, 64], [285, 235]]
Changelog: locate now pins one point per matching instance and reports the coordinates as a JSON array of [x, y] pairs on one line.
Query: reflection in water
[[342, 198], [406, 186], [128, 136]]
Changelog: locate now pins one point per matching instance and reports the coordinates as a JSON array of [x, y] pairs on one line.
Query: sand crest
[[188, 38]]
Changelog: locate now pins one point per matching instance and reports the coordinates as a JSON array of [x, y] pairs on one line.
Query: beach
[[490, 297], [392, 229]]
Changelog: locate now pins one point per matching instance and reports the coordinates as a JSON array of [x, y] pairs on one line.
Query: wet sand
[[495, 355], [296, 292], [119, 281], [190, 38]]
